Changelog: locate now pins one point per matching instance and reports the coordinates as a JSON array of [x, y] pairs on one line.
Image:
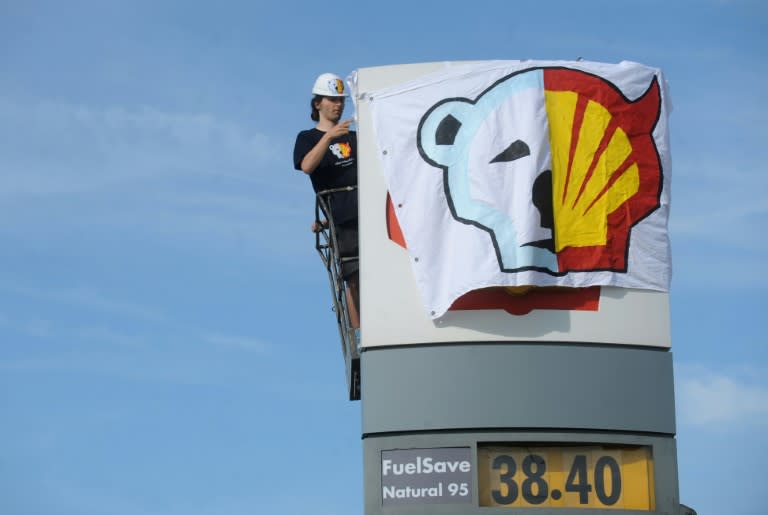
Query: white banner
[[532, 173]]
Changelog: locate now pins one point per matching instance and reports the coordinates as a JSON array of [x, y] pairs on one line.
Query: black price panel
[[566, 476]]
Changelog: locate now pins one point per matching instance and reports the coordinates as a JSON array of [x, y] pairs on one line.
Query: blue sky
[[166, 340]]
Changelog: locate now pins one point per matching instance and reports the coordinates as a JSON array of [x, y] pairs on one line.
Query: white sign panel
[[513, 201]]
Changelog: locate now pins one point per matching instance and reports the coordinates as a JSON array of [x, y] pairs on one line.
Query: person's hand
[[340, 129], [318, 226]]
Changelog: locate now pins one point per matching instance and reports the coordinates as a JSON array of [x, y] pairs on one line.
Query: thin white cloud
[[103, 335], [37, 327], [188, 178], [177, 365], [33, 326], [90, 299], [721, 201], [718, 399], [51, 330], [83, 297], [691, 269], [237, 342], [54, 148], [719, 212]]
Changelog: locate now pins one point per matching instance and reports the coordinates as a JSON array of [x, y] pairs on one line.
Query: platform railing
[[326, 243]]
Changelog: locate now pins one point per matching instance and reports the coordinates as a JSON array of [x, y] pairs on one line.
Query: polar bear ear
[[440, 129]]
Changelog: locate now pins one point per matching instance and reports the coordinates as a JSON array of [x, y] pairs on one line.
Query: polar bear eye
[[447, 130], [515, 150]]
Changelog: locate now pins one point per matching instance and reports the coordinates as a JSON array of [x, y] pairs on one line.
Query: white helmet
[[329, 85]]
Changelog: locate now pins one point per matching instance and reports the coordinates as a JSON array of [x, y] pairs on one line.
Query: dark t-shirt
[[337, 169]]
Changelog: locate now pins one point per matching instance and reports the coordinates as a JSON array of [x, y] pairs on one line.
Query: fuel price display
[[566, 476]]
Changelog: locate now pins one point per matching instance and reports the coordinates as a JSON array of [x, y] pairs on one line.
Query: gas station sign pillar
[[545, 401]]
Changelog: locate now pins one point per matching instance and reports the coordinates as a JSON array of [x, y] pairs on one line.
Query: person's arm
[[313, 158]]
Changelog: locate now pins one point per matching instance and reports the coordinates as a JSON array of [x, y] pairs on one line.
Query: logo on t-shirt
[[341, 150]]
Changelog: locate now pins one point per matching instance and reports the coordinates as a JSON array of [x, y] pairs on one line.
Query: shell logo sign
[[554, 167], [606, 173]]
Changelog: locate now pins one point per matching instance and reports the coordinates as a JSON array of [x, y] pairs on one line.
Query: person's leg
[[353, 300], [346, 235]]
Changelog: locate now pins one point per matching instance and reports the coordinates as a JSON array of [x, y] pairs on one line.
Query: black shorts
[[346, 237]]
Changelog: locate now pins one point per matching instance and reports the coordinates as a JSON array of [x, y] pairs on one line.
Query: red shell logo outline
[[634, 120]]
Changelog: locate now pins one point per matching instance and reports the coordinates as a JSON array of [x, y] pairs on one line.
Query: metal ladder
[[327, 246]]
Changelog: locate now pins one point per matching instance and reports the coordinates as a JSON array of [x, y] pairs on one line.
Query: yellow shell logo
[[591, 183], [606, 172]]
